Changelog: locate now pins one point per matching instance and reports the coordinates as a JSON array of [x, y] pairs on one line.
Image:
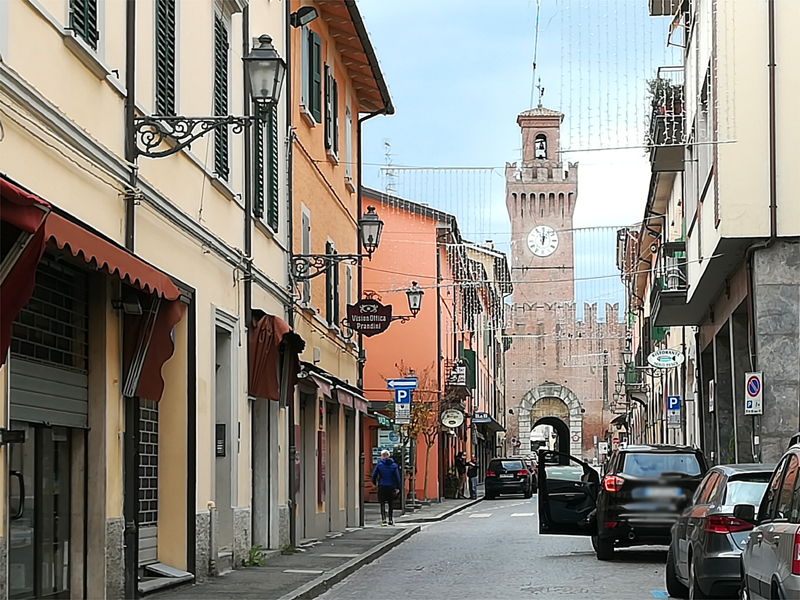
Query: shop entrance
[[39, 513]]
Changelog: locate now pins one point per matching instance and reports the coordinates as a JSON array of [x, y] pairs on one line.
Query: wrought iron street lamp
[[627, 356], [414, 294], [307, 266], [265, 70], [621, 376]]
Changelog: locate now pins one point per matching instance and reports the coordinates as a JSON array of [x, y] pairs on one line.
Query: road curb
[[444, 515], [323, 583]]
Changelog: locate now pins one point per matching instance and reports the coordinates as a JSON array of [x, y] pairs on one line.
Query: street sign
[[369, 317], [602, 448], [673, 419], [753, 393], [673, 402], [407, 383], [402, 396], [402, 406]]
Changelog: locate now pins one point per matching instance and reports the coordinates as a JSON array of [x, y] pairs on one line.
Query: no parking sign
[[753, 393]]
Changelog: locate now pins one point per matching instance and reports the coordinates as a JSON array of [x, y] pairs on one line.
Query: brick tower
[[540, 197]]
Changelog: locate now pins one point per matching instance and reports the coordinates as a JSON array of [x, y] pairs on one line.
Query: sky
[[459, 72]]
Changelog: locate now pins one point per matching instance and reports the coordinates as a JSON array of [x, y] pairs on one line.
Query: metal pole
[[130, 114]]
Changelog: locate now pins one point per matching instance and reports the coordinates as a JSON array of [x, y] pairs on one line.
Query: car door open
[[568, 490]]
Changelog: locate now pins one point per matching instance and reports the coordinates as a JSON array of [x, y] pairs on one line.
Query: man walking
[[386, 476]]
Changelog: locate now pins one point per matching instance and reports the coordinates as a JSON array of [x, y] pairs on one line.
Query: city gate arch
[[549, 399]]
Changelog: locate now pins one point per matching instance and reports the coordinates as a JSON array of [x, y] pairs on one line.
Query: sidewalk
[[321, 564]]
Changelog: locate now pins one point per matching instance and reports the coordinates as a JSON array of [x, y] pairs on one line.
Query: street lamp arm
[[308, 266], [152, 131], [403, 318]]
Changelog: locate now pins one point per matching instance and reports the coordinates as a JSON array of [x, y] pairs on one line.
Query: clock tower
[[540, 197]]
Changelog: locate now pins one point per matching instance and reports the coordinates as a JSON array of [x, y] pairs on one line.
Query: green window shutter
[[328, 108], [470, 358], [315, 64], [221, 164], [258, 161], [335, 116], [329, 286], [83, 20], [165, 57], [272, 168]]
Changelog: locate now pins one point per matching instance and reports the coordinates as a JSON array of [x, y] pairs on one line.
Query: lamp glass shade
[[621, 376], [414, 294], [266, 70], [617, 387], [627, 356], [371, 227]]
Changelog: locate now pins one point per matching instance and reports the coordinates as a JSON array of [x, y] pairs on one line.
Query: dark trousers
[[386, 496]]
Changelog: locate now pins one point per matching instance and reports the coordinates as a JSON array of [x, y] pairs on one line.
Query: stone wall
[[241, 535], [115, 558], [776, 278], [202, 554]]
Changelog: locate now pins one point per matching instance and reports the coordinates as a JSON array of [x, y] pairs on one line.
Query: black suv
[[643, 492], [508, 476]]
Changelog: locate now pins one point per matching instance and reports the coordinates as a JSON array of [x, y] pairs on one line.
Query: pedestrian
[[386, 476], [472, 475], [461, 469]]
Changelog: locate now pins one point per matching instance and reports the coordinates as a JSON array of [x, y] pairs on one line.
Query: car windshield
[[745, 492], [653, 465]]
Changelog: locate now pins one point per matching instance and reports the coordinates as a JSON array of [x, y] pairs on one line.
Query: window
[[653, 465], [331, 112], [305, 242], [266, 172], [311, 61], [787, 489], [331, 289], [221, 73], [165, 57], [771, 496], [83, 21], [348, 285], [704, 491], [348, 144], [745, 491]]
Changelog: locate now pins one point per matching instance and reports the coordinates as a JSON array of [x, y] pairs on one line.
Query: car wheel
[[604, 548], [694, 587], [744, 593], [675, 588], [528, 494]]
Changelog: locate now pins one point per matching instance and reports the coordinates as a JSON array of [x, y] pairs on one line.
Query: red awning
[[270, 336], [108, 257], [22, 242]]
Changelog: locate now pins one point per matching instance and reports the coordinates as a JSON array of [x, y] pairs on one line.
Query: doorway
[[226, 445], [39, 513]]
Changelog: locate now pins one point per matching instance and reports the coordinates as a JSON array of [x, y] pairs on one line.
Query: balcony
[[669, 290], [663, 8], [665, 136]]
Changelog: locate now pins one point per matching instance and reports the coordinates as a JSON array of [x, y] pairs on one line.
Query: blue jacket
[[386, 474]]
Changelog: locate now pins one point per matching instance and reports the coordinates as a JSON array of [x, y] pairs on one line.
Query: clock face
[[542, 240]]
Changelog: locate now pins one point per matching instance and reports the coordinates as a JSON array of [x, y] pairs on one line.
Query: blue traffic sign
[[753, 386], [673, 402], [402, 396], [401, 384]]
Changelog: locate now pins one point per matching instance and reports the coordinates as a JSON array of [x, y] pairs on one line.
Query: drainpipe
[[773, 215], [361, 354], [439, 366], [248, 174], [130, 114]]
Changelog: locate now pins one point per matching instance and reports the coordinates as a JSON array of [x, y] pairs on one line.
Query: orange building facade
[[459, 325]]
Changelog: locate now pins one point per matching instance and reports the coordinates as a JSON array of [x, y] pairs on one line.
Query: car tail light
[[610, 524], [612, 483], [796, 554], [726, 525], [490, 473], [522, 472]]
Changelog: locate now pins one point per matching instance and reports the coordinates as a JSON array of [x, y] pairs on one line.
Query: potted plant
[[665, 96]]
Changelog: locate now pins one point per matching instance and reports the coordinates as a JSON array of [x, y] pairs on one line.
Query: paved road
[[494, 550]]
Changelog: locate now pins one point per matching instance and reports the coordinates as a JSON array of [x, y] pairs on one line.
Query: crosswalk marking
[[480, 515], [523, 514]]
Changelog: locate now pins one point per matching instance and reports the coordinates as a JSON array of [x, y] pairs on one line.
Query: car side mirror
[[745, 512]]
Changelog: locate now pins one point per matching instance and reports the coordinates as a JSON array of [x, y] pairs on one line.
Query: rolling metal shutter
[[49, 349]]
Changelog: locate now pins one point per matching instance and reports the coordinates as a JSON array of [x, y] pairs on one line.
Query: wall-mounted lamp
[[130, 305], [303, 16]]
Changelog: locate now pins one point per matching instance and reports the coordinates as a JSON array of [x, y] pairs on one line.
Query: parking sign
[[753, 393]]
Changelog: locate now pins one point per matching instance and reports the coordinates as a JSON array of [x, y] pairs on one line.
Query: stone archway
[[546, 391]]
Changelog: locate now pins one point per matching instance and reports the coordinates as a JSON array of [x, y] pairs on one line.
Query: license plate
[[661, 492], [506, 476]]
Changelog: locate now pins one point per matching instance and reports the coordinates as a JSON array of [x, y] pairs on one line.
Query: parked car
[[644, 490], [770, 561], [704, 555], [508, 476]]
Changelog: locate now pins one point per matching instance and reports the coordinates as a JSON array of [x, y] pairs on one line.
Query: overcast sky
[[460, 71]]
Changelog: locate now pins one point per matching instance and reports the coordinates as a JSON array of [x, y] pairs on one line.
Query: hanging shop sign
[[369, 317], [481, 417], [452, 418], [665, 359], [458, 376]]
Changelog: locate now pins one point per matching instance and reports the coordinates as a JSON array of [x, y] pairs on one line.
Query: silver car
[[704, 552], [771, 555]]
